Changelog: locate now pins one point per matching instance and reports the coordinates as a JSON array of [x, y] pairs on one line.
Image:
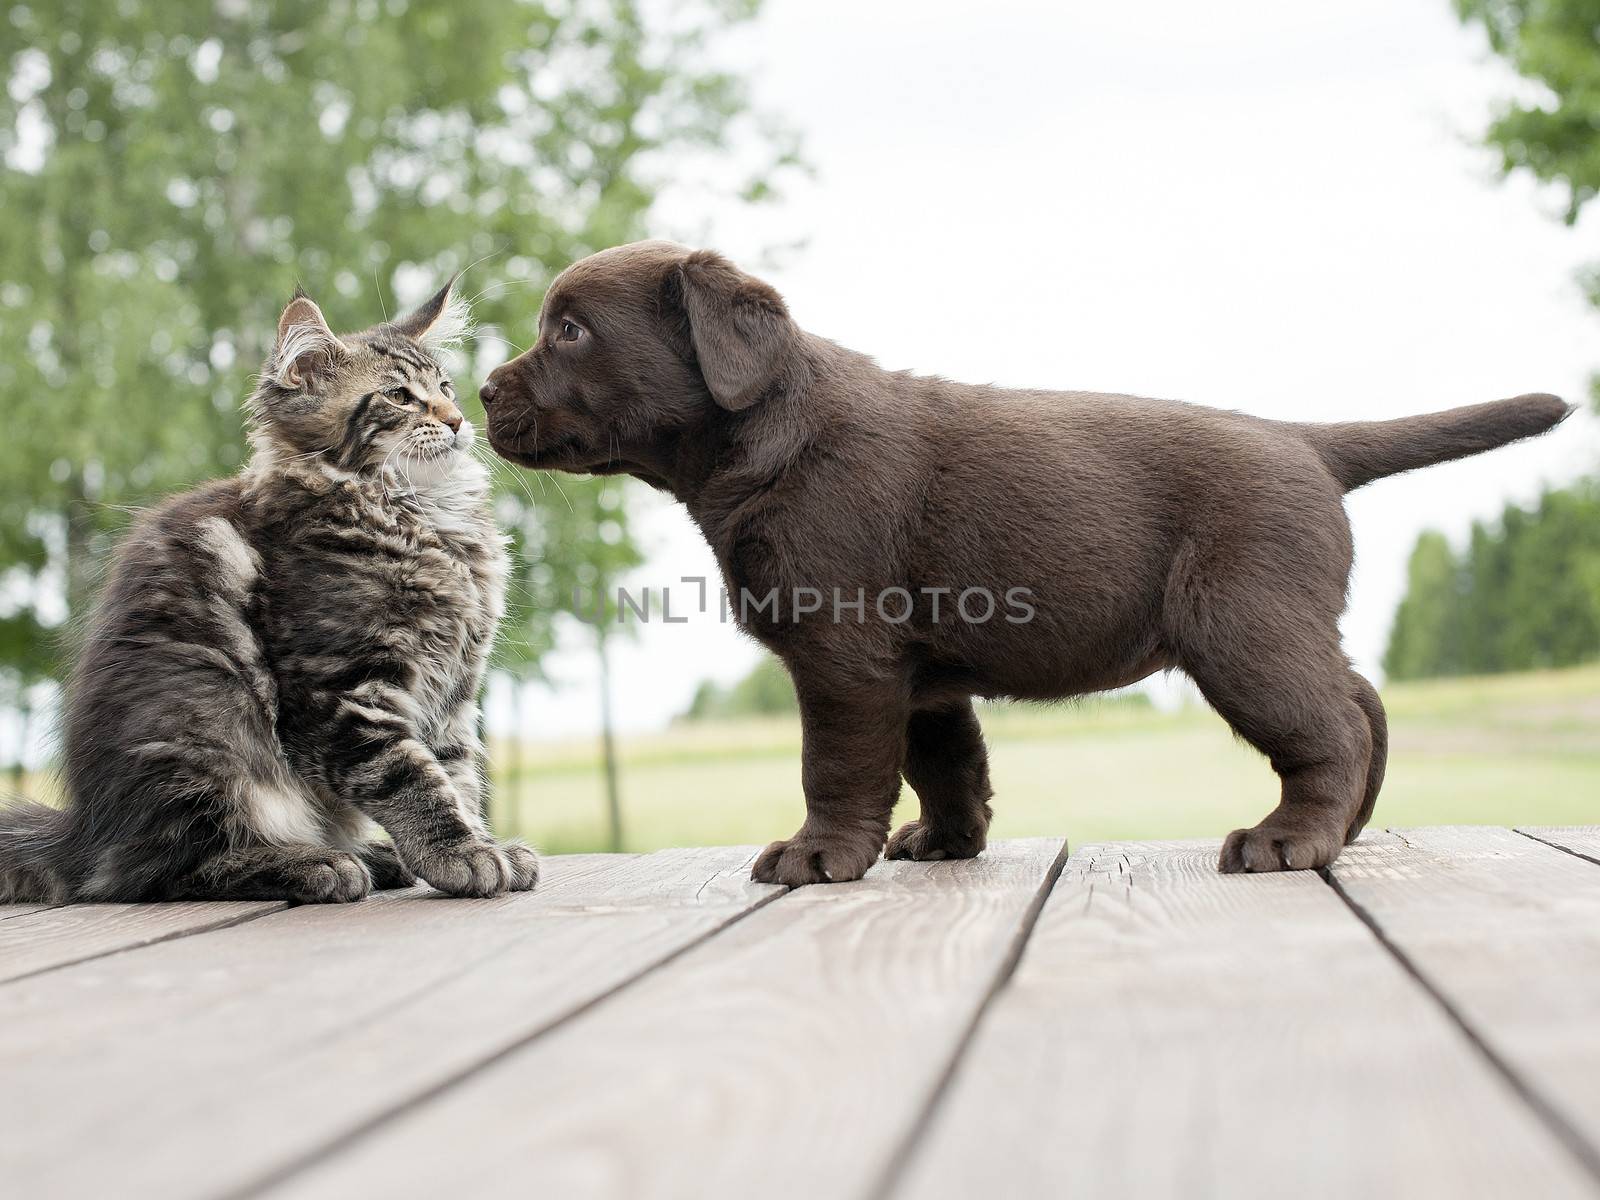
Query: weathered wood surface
[[209, 1063], [1507, 930], [1576, 839], [1171, 1031], [788, 1057], [1420, 1021], [48, 938], [7, 911]]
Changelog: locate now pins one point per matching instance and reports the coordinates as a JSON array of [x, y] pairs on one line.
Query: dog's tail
[[1357, 452], [31, 840]]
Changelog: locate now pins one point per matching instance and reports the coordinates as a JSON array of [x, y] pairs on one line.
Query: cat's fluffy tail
[[31, 837]]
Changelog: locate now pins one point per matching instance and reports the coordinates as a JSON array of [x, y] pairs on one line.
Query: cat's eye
[[570, 332], [400, 395]]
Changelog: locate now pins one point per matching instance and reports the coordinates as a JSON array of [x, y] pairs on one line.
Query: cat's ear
[[440, 321], [306, 347]]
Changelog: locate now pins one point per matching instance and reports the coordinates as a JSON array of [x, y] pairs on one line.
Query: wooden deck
[[1422, 1021]]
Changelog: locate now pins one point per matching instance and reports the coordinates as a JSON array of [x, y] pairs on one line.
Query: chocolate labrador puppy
[[905, 543]]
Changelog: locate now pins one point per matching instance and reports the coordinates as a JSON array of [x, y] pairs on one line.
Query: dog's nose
[[487, 391]]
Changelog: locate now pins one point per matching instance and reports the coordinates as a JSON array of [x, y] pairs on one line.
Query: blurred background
[[1316, 211]]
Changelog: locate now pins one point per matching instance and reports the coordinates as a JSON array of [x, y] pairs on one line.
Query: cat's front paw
[[524, 866], [326, 877], [478, 868], [383, 863]]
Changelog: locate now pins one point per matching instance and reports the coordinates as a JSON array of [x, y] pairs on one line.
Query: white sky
[[1273, 207]]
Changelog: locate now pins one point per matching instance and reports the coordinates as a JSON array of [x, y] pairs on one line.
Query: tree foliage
[[172, 169], [1555, 135], [1555, 44], [765, 691], [1525, 593]]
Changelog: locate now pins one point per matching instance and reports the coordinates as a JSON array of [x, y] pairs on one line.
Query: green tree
[[172, 168], [1427, 634], [1550, 614], [1554, 136], [1527, 593], [1524, 595], [552, 582], [765, 691]]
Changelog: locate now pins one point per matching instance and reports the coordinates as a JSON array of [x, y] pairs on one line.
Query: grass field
[[1494, 750]]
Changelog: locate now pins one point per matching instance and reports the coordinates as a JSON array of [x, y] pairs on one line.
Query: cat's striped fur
[[286, 660]]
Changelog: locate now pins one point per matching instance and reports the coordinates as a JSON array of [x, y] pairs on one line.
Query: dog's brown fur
[[1150, 535]]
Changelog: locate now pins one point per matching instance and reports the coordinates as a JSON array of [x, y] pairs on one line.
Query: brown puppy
[[1107, 537]]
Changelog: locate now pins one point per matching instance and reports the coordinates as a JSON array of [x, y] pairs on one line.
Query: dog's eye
[[570, 332]]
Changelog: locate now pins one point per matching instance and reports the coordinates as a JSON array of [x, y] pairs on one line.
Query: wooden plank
[[204, 1065], [1171, 1031], [48, 938], [788, 1056], [7, 911], [1576, 839], [1507, 930]]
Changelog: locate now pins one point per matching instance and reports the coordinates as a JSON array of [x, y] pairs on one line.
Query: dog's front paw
[[806, 858], [921, 842], [1270, 847], [477, 868]]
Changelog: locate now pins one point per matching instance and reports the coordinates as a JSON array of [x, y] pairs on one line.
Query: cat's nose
[[487, 391], [448, 414]]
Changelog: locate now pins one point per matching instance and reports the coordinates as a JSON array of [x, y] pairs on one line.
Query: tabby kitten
[[286, 660]]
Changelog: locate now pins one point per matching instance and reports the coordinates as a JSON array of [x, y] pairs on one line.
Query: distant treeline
[[766, 691], [1525, 593]]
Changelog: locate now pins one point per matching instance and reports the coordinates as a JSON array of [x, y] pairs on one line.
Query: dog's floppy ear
[[737, 327]]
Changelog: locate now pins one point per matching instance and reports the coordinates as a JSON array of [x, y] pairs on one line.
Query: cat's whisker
[[502, 285], [483, 258], [498, 467], [556, 483], [500, 337]]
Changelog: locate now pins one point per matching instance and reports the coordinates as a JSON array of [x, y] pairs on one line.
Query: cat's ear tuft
[[305, 345], [440, 322]]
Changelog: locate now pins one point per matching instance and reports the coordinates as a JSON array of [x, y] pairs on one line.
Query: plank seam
[[319, 1154], [176, 934], [1564, 1131], [896, 1164], [1533, 837], [32, 912]]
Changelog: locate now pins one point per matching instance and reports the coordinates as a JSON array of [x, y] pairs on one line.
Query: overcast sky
[[1273, 207]]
